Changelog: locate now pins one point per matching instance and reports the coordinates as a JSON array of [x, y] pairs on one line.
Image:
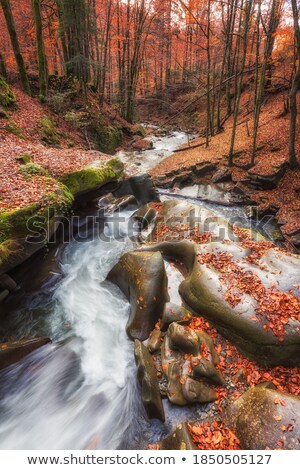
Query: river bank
[[269, 186]]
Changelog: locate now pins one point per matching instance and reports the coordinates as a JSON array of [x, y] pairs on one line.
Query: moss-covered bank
[[19, 224]]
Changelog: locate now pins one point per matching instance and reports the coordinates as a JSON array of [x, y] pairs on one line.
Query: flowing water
[[163, 146], [80, 392]]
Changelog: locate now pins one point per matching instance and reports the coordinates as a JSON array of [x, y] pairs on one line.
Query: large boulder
[[248, 290], [13, 352], [147, 377], [178, 220], [142, 278], [264, 418]]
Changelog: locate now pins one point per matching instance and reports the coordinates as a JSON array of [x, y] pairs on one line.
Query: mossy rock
[[110, 138], [7, 96], [48, 132], [8, 249], [82, 181], [17, 224], [24, 159], [107, 138]]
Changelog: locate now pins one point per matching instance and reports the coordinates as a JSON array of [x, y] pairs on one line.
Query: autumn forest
[[150, 224]]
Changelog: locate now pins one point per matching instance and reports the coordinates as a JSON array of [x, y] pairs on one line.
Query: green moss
[[7, 96], [15, 223], [141, 131], [12, 128], [91, 178], [24, 159], [76, 119], [108, 138], [3, 113], [31, 169], [60, 200], [48, 131], [8, 249]]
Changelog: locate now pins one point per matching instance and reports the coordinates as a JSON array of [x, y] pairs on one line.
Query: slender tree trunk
[[108, 24], [3, 71], [208, 98], [42, 61], [270, 39], [246, 22], [293, 92], [15, 44]]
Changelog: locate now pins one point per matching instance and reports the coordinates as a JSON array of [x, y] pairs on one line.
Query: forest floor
[[31, 132], [271, 156]]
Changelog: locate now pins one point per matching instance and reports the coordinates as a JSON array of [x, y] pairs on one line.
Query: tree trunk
[[208, 98], [270, 39], [293, 92], [15, 44], [246, 28], [2, 66], [42, 61], [108, 24]]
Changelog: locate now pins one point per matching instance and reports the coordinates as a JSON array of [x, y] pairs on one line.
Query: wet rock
[[142, 278], [144, 216], [147, 377], [7, 283], [222, 175], [204, 169], [177, 220], [188, 361], [155, 341], [262, 180], [197, 392], [266, 418], [141, 187], [185, 175], [235, 310], [174, 313], [3, 295], [13, 352], [184, 339], [181, 439], [182, 251], [239, 195], [110, 203]]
